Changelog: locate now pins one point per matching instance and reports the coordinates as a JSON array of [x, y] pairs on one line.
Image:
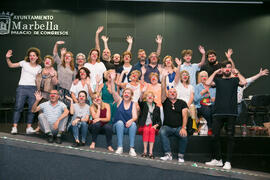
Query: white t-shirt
[[28, 73], [95, 69], [136, 91], [79, 87], [182, 92]]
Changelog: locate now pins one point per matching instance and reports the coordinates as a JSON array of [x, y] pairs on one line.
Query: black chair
[[258, 111]]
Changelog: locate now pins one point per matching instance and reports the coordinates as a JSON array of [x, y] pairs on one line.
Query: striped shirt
[[52, 113]]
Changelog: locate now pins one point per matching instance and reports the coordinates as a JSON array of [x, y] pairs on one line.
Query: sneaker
[[214, 162], [119, 150], [132, 152], [181, 160], [167, 156], [14, 130], [30, 130], [58, 139], [227, 166], [50, 138]]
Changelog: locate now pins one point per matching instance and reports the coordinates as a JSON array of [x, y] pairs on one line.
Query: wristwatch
[[184, 127]]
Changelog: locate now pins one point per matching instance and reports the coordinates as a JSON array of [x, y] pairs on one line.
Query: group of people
[[106, 93]]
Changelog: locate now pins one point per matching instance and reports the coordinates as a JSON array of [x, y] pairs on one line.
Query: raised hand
[[113, 75], [201, 49], [63, 51], [229, 53], [99, 29], [60, 42], [160, 69], [105, 38], [98, 79], [159, 39], [38, 95], [129, 39], [178, 61], [264, 72], [69, 98], [9, 54]]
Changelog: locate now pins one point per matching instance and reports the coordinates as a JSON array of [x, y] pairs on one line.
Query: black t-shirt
[[173, 117], [108, 64], [210, 68], [226, 96]]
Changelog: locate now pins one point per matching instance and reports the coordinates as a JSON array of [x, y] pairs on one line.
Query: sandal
[[144, 155], [151, 156]]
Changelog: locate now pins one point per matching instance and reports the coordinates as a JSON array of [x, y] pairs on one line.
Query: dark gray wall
[[245, 28]]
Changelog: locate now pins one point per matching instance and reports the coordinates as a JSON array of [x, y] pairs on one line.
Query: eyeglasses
[[53, 93]]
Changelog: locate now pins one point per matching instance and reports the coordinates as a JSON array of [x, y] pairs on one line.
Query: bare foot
[[110, 148], [92, 146]]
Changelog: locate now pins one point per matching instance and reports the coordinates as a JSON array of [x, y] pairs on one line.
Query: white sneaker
[[227, 166], [214, 162], [14, 130], [119, 150], [167, 156], [181, 160], [30, 130], [132, 152]]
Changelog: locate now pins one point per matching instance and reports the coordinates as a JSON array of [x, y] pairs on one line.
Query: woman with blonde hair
[[101, 114], [204, 99], [149, 122], [125, 117]]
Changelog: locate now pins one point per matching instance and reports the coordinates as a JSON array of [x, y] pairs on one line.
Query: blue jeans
[[24, 93], [83, 126], [206, 112], [120, 129], [167, 131]]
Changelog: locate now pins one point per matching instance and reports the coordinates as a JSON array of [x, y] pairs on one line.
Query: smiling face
[[141, 55], [83, 74], [187, 58], [172, 94], [47, 62], [68, 58], [127, 94], [203, 77], [81, 97], [94, 55], [116, 58], [54, 96], [153, 58], [212, 58], [153, 78], [227, 71], [33, 57], [149, 97], [184, 77], [168, 62], [80, 60], [127, 58], [106, 54], [97, 99]]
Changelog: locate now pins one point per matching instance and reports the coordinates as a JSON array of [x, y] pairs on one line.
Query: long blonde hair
[[94, 95]]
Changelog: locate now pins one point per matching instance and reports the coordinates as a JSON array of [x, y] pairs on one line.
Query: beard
[[212, 62], [227, 74]]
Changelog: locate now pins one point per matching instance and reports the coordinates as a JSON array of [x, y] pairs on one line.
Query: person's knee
[[84, 124]]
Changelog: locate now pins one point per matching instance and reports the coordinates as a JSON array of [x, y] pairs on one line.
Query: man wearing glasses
[[54, 116]]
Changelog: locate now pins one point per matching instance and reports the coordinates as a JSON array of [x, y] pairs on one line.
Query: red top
[[103, 113]]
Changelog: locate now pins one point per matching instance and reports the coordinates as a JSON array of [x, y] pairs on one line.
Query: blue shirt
[[52, 113], [198, 97], [149, 70], [191, 69]]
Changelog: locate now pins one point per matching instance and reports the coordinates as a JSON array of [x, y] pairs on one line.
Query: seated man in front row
[[175, 121], [54, 116]]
